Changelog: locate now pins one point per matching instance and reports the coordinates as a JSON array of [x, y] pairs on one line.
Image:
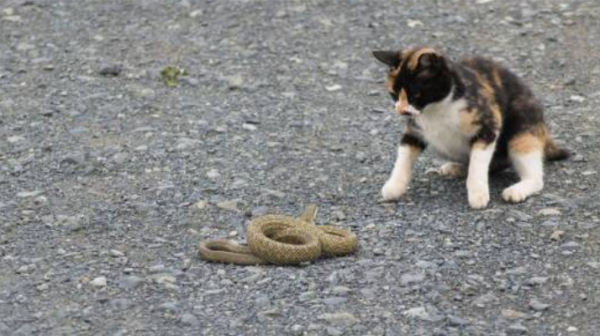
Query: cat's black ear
[[391, 58], [431, 60]]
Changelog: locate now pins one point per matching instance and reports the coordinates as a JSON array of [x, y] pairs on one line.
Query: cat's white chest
[[441, 128]]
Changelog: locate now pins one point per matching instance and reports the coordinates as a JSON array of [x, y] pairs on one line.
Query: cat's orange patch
[[402, 103], [413, 60], [486, 89], [488, 92], [389, 83], [497, 114], [496, 77], [468, 121], [526, 143]]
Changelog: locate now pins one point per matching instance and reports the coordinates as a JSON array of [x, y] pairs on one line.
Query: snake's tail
[[222, 250]]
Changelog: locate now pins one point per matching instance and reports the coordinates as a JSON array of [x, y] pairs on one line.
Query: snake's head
[[310, 214]]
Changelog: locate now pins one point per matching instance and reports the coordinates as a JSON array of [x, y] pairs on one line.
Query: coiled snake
[[283, 240]]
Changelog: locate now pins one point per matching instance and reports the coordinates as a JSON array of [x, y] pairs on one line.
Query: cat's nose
[[404, 108]]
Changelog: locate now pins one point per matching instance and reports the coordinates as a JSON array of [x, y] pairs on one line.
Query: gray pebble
[[251, 278], [4, 329], [163, 278], [420, 313], [99, 282], [297, 330], [43, 287], [27, 194], [308, 295], [426, 265], [378, 251], [368, 293], [340, 318], [340, 290], [121, 304], [570, 245], [517, 270], [259, 211], [594, 264], [145, 93], [120, 158], [339, 215], [191, 81], [537, 305], [116, 253], [24, 330], [485, 299], [249, 127], [111, 71], [189, 320], [331, 331], [168, 307], [23, 46], [536, 281], [517, 329], [411, 278], [156, 269], [332, 301], [130, 282], [228, 205], [520, 215], [361, 157], [462, 254], [25, 269], [262, 300], [457, 321], [235, 82]]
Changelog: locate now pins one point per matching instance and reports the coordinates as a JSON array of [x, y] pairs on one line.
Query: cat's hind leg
[[453, 169], [526, 152]]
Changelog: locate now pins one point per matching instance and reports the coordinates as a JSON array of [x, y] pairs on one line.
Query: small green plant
[[171, 74]]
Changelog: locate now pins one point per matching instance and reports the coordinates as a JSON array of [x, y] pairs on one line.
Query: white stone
[[99, 282], [414, 23], [333, 88], [550, 212], [12, 18]]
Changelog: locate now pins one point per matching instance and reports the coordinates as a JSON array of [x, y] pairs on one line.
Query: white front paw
[[514, 194], [393, 190], [479, 197]]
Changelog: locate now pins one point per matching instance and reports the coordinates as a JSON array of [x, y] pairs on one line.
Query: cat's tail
[[553, 153]]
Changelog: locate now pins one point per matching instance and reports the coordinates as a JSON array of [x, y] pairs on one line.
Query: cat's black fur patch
[[413, 141]]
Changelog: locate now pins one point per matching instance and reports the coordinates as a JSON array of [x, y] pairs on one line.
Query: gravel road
[[109, 178]]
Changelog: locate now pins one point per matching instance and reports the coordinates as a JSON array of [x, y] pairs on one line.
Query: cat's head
[[417, 77]]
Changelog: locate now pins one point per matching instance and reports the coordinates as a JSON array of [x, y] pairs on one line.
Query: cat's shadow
[[453, 190]]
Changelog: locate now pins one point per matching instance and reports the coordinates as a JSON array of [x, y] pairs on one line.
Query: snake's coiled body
[[283, 240]]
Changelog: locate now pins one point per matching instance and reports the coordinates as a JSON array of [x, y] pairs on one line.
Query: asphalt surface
[[109, 178]]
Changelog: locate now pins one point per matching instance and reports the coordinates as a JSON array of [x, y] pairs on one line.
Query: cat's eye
[[415, 90]]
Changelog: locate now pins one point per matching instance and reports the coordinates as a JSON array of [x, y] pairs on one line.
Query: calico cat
[[476, 114]]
